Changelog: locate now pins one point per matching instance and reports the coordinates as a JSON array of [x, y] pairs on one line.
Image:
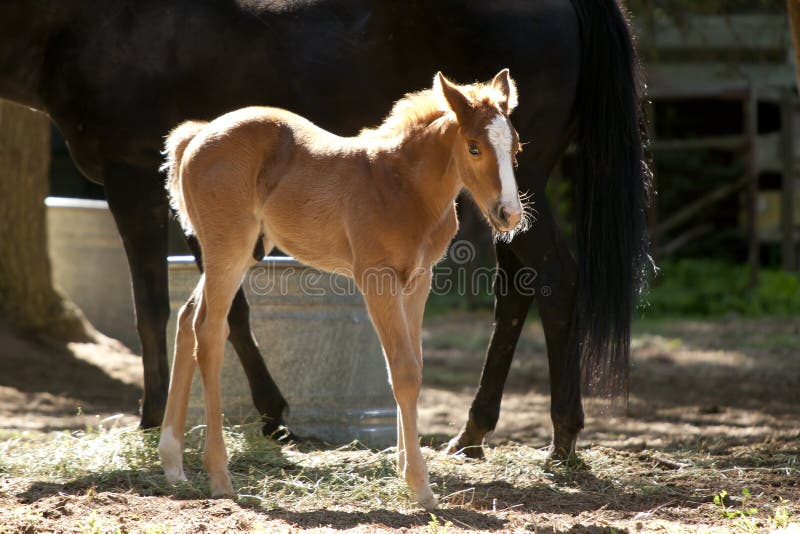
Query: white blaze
[[499, 133]]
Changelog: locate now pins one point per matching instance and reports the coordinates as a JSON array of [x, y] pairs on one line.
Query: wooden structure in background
[[734, 57]]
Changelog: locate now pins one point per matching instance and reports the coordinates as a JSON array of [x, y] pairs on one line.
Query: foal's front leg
[[387, 310], [414, 300]]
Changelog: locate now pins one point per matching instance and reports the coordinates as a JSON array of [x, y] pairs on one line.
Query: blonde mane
[[419, 109], [407, 114]]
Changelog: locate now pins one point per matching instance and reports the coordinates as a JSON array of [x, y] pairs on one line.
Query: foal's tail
[[174, 146], [612, 193]]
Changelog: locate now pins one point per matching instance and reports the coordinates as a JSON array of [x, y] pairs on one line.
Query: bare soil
[[713, 407]]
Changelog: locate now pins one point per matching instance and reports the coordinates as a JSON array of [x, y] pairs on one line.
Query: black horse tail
[[612, 194], [174, 146]]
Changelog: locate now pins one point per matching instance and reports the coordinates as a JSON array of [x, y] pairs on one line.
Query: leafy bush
[[713, 288]]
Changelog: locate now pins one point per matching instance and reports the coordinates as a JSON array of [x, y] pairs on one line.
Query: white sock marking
[[169, 450]]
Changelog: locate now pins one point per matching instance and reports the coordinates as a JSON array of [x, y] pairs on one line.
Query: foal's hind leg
[[211, 330], [227, 243], [170, 446], [267, 398]]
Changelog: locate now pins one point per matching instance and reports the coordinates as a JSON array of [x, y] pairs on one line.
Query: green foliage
[[710, 288], [434, 527], [741, 516], [745, 517], [733, 513]]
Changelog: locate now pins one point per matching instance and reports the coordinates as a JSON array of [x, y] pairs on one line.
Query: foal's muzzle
[[505, 218]]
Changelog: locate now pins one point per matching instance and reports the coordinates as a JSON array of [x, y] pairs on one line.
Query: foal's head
[[486, 145]]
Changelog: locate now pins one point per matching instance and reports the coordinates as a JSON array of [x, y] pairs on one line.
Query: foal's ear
[[508, 88], [451, 97]]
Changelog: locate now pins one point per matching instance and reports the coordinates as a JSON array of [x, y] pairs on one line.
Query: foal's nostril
[[502, 214]]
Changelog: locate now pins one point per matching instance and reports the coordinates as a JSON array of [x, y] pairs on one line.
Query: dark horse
[[116, 75]]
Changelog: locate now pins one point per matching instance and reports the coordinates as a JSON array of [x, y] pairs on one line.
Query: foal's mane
[[409, 113], [419, 109]]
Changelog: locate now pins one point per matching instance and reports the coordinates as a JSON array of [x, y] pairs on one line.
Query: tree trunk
[[29, 303]]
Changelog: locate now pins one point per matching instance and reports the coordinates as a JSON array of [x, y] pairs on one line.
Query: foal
[[379, 206]]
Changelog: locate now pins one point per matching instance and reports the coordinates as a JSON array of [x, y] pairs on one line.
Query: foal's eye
[[473, 148]]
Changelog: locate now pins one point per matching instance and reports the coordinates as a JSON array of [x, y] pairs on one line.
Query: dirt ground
[[713, 408]]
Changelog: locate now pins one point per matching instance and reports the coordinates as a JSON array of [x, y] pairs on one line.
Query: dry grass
[[713, 414], [310, 485]]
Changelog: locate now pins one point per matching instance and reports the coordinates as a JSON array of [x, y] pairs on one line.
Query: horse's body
[[115, 75], [387, 201]]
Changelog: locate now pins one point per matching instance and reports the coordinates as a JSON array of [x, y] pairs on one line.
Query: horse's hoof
[[152, 420], [468, 442], [280, 433], [470, 451], [428, 501], [221, 487], [562, 448], [563, 456], [153, 411]]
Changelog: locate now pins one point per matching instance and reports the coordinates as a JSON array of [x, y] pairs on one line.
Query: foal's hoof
[[221, 487], [428, 501], [174, 476], [468, 442], [170, 452]]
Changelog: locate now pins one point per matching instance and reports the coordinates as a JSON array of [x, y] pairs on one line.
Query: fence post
[[787, 180], [751, 172]]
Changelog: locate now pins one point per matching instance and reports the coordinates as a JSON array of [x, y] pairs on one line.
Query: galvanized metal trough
[[312, 328]]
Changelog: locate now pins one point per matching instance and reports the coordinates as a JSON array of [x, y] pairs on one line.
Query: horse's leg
[[170, 446], [414, 305], [388, 315], [138, 202], [511, 307], [267, 398], [557, 311], [546, 251]]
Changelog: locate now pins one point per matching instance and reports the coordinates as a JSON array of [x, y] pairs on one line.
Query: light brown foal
[[379, 207]]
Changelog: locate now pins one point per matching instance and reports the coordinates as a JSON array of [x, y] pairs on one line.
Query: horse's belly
[[322, 247]]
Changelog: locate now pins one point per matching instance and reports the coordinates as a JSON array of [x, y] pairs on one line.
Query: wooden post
[[789, 261], [751, 172]]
